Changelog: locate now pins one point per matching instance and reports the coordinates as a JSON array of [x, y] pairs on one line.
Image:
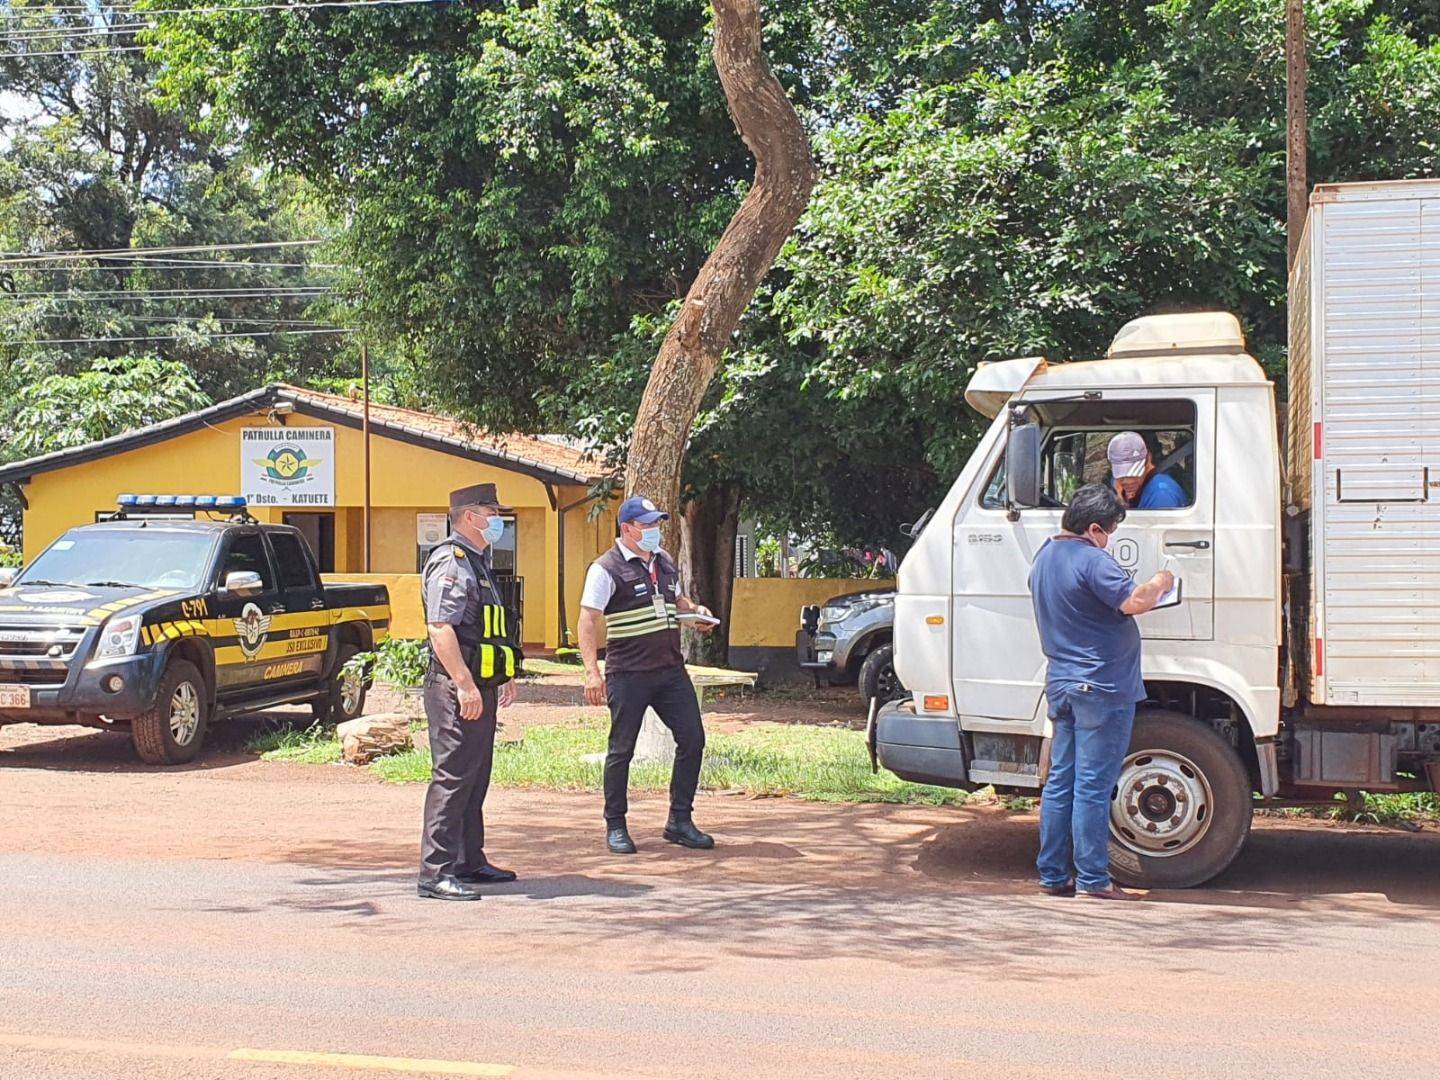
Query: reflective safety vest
[[498, 655], [641, 634], [492, 648]]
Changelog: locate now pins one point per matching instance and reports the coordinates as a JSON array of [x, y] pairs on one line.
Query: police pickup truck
[[178, 611]]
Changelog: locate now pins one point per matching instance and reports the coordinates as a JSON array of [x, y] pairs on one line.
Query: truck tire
[[878, 678], [172, 732], [1182, 808], [345, 694]]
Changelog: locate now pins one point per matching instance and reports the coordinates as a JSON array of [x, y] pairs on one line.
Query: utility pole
[[1297, 192], [365, 438]]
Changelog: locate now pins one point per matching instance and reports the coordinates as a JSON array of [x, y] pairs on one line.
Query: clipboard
[[1171, 598]]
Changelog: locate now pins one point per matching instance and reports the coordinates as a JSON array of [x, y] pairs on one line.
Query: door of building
[[319, 532]]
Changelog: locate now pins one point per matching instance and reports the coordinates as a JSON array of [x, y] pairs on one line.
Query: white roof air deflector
[[1193, 332], [993, 385]]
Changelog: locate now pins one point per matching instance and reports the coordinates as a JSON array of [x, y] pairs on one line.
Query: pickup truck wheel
[[1182, 807], [345, 696], [878, 678], [172, 732]]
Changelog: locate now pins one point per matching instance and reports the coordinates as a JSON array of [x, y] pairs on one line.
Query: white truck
[[1304, 658]]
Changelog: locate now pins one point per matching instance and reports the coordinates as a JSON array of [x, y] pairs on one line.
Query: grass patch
[[823, 764], [308, 746], [542, 666], [1390, 809]]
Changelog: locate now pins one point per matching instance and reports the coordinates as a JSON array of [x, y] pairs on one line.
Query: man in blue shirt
[[1137, 481], [1084, 607]]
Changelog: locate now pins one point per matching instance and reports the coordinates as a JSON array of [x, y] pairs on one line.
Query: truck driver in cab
[[1138, 483]]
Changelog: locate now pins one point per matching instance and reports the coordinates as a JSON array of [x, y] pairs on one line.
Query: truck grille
[[52, 674], [50, 643]]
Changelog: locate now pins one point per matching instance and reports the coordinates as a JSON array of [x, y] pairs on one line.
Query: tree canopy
[[524, 189]]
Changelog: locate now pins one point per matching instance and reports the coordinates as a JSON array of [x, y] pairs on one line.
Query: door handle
[[276, 609], [316, 604], [1200, 545]]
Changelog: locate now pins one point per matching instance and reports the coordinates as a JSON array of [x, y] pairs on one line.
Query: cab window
[[247, 552], [292, 561], [1078, 436]]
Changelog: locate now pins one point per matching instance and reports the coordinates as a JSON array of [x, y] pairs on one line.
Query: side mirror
[[8, 574], [242, 583], [1022, 465]]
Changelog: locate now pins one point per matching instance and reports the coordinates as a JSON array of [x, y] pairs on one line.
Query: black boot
[[447, 888], [681, 830], [617, 838]]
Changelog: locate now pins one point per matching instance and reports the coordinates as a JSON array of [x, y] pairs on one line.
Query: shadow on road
[[1282, 862], [79, 751]]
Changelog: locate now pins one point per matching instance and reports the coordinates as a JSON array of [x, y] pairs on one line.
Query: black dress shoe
[[617, 839], [447, 888], [487, 875], [682, 831]]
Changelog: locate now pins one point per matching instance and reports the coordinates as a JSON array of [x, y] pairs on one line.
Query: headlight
[[834, 613], [119, 637]]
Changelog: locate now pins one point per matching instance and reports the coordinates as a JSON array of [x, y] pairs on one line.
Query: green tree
[[89, 160], [56, 412]]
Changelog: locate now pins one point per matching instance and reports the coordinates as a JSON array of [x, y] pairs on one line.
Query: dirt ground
[[176, 923], [560, 700]]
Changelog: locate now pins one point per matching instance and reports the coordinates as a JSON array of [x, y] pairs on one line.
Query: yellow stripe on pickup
[[272, 650], [373, 613]]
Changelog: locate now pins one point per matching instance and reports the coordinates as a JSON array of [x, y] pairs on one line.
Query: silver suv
[[848, 640]]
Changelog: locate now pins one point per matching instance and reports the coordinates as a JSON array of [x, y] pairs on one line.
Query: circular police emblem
[[251, 628], [648, 505], [287, 464]]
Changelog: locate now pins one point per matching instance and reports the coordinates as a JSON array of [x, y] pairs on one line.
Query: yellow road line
[[65, 1044], [432, 1066]]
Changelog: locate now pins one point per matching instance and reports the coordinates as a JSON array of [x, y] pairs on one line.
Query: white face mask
[[650, 539]]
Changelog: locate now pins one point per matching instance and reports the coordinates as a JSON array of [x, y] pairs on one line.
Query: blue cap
[[641, 511]]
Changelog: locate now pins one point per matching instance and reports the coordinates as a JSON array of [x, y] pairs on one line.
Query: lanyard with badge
[[657, 597]]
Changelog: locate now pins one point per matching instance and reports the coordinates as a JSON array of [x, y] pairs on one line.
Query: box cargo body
[[1363, 447]]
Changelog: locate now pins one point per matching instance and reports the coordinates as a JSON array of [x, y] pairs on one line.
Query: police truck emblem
[[251, 628]]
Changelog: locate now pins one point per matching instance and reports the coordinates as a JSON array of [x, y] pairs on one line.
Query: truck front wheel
[[172, 732], [1182, 807]]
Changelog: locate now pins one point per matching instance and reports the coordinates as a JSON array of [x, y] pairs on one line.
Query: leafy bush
[[401, 662]]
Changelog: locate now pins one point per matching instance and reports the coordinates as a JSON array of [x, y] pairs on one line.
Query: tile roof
[[549, 458], [546, 452]]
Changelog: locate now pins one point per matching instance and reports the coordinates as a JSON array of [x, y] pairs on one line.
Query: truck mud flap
[[921, 749]]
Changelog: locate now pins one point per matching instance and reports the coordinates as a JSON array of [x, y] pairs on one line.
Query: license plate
[[14, 697]]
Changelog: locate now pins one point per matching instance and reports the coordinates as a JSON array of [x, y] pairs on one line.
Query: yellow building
[[299, 456]]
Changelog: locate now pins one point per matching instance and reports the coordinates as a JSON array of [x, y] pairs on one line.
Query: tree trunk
[[691, 351], [707, 566]]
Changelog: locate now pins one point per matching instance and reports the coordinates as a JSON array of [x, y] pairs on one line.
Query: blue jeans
[[1092, 734]]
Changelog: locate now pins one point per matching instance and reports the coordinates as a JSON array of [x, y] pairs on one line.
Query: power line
[[73, 52], [173, 337], [129, 9], [113, 295], [180, 317], [21, 258], [160, 265]]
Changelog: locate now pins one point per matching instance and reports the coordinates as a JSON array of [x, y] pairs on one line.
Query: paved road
[[155, 923]]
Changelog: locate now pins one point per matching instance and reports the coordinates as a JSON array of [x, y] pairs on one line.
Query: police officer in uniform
[[461, 602], [631, 599]]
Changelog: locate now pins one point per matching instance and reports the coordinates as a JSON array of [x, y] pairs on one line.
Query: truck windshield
[[107, 557]]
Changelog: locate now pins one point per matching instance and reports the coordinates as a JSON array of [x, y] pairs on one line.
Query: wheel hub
[[1162, 804], [184, 714], [352, 685]]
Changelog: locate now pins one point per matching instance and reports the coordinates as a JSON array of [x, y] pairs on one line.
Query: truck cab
[[158, 623], [966, 643]]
